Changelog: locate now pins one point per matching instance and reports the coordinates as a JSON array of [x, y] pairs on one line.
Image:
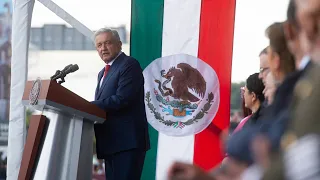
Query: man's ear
[[289, 31], [120, 43]]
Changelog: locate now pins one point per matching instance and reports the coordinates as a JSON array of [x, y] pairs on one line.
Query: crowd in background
[[279, 136], [98, 169]]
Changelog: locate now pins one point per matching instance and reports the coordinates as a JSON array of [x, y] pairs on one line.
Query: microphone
[[67, 67], [62, 74], [71, 69]]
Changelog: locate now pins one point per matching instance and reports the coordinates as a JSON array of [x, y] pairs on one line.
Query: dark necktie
[[106, 69]]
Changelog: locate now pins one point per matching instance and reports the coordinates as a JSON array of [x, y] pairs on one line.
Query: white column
[[21, 24]]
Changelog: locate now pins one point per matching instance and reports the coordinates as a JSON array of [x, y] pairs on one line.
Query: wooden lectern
[[59, 143]]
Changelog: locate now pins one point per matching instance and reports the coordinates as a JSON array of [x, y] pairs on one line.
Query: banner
[[185, 48]]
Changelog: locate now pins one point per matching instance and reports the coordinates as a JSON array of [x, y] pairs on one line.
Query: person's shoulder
[[314, 73], [308, 83], [129, 58], [130, 61], [292, 78], [307, 97], [288, 83], [238, 145]]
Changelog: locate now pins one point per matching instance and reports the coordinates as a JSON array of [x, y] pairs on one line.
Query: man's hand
[[182, 171]]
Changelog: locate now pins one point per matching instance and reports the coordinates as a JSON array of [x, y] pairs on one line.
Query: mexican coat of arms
[[178, 98]]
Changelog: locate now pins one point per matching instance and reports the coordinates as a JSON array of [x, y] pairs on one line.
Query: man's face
[[107, 46], [308, 15], [270, 88], [293, 37], [264, 67]]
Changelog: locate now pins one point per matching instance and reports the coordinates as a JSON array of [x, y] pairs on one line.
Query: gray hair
[[114, 33]]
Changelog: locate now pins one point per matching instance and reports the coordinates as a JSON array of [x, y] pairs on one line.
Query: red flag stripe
[[215, 48]]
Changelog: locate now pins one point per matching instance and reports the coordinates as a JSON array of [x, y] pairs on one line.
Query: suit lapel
[[308, 66], [112, 69], [98, 84]]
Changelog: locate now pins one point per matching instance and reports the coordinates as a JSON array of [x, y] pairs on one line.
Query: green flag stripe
[[146, 30], [146, 46]]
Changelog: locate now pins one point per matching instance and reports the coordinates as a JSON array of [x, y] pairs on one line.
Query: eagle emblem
[[184, 77], [179, 95], [35, 91]]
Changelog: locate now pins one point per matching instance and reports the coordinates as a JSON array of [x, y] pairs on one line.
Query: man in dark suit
[[294, 35], [123, 139], [300, 143], [275, 123], [285, 92]]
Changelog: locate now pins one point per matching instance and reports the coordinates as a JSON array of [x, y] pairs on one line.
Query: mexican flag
[[170, 39]]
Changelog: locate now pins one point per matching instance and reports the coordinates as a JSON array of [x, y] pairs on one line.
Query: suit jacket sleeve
[[130, 82]]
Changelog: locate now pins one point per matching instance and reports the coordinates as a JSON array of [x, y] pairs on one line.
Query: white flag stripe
[[181, 24], [172, 148]]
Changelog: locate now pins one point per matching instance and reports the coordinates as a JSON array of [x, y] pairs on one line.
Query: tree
[[28, 116], [236, 96]]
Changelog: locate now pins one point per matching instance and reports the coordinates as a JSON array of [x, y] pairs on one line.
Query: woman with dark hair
[[238, 159], [253, 98], [252, 95], [245, 111]]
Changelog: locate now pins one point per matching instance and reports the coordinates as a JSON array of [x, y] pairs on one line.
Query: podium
[[59, 143]]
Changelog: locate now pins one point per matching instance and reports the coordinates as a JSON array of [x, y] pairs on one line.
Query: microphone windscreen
[[75, 67], [67, 67]]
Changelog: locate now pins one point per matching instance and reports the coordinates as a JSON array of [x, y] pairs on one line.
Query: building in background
[[43, 64], [5, 69], [61, 37], [54, 46], [5, 76]]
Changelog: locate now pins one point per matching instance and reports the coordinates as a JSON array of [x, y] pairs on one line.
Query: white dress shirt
[[304, 61]]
